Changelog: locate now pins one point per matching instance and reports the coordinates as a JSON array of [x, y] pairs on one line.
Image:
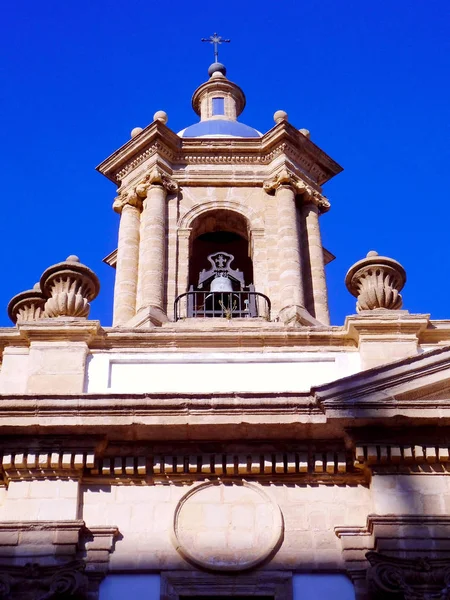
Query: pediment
[[417, 386]]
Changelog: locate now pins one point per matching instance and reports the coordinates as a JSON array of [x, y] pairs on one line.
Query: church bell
[[221, 283]]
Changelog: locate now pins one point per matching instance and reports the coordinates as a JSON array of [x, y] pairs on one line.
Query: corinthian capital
[[129, 197], [156, 177], [316, 198], [285, 178]]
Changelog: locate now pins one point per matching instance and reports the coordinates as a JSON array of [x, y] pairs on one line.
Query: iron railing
[[228, 305]]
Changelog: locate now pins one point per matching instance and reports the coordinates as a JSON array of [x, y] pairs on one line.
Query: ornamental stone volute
[[137, 194], [285, 178], [27, 306], [69, 287], [156, 177], [300, 187], [129, 197], [376, 282]]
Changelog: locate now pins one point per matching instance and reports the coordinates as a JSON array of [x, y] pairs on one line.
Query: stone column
[[291, 284], [259, 259], [292, 296], [125, 290], [312, 207], [152, 256], [184, 236]]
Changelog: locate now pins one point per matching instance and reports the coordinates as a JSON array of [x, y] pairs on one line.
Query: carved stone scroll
[[416, 579], [35, 582]]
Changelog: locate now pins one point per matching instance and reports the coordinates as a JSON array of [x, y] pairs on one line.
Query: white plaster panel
[[217, 372]]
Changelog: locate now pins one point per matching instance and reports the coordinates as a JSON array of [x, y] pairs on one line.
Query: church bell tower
[[219, 220]]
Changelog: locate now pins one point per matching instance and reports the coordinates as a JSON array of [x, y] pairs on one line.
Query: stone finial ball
[[72, 258], [280, 115], [372, 253], [160, 115], [217, 67], [136, 131], [305, 132]]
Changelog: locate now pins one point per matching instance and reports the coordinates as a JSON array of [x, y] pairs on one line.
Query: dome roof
[[220, 128]]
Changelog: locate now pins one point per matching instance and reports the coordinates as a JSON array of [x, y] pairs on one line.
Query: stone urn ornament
[[69, 286], [27, 306], [376, 282]]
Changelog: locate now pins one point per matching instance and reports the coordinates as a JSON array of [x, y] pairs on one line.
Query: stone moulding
[[228, 556], [405, 456], [275, 584], [157, 139], [307, 466], [58, 541], [426, 535]]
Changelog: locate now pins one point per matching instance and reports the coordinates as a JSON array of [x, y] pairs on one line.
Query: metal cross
[[216, 40]]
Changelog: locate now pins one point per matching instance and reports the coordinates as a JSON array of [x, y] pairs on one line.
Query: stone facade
[[232, 452]]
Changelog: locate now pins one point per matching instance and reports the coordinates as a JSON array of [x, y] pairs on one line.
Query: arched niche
[[219, 230]]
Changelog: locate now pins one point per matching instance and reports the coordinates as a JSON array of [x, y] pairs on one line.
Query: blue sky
[[370, 80]]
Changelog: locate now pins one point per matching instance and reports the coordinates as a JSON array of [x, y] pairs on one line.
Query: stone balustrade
[[376, 282]]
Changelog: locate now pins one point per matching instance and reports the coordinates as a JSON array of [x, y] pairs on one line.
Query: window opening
[[218, 106]]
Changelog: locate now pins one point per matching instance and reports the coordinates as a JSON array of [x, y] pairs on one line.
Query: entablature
[[180, 153]]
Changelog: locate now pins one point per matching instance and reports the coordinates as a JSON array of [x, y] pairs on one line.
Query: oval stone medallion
[[227, 527]]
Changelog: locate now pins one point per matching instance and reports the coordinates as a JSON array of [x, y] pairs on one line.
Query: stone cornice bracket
[[414, 579], [376, 282], [27, 306], [69, 287], [300, 187], [156, 177]]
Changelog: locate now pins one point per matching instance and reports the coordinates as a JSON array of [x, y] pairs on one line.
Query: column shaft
[[125, 288], [291, 284], [317, 265], [152, 260]]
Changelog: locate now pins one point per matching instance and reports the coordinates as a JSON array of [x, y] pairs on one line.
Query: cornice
[[230, 335], [157, 139], [321, 461], [233, 334], [390, 385], [59, 329]]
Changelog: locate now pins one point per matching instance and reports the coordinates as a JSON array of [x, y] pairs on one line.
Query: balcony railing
[[228, 305]]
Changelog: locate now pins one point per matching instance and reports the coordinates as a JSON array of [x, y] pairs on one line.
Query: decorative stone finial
[[136, 131], [217, 67], [69, 287], [376, 281], [305, 132], [218, 75], [280, 115], [27, 306], [160, 115]]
